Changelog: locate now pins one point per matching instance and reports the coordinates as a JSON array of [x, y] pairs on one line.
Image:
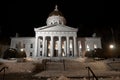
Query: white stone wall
[[87, 44], [24, 43], [83, 44], [91, 42]]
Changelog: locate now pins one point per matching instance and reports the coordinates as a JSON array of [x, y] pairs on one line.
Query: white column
[[46, 48], [38, 47], [65, 48], [68, 46], [79, 48], [75, 47], [52, 44], [60, 47], [36, 41], [43, 47]]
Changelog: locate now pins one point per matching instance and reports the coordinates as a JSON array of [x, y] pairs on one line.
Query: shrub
[[10, 53]]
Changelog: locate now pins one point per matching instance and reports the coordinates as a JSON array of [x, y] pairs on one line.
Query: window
[[40, 46], [30, 53], [31, 45], [23, 45], [55, 23], [95, 46], [16, 46], [88, 48], [40, 53], [70, 53]]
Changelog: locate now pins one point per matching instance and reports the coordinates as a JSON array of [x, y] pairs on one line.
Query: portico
[[55, 44]]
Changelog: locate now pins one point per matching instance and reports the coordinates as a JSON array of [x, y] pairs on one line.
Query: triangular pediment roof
[[58, 28]]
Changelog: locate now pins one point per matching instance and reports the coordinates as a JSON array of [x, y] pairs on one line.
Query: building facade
[[55, 40]]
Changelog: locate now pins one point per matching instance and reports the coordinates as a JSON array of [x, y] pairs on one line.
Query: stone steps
[[76, 70], [75, 65], [79, 74]]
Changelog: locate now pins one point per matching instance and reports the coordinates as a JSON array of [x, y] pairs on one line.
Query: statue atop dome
[[56, 8], [56, 17]]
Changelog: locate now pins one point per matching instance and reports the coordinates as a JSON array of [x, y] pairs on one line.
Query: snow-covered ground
[[75, 67]]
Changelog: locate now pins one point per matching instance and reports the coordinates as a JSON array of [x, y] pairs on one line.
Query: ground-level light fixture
[[21, 49]]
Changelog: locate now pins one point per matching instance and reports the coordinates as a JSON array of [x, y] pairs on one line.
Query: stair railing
[[90, 71], [3, 69]]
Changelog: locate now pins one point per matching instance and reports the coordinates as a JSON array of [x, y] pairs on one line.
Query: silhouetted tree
[[10, 53], [100, 53]]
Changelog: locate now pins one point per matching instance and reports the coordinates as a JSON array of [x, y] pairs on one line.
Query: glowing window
[[70, 45], [80, 46], [88, 48], [95, 46]]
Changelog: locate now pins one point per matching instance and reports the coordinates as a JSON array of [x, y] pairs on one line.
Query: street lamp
[[111, 46]]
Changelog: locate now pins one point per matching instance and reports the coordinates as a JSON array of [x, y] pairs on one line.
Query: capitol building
[[55, 40]]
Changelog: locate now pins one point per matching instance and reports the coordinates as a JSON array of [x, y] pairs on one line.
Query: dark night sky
[[22, 16]]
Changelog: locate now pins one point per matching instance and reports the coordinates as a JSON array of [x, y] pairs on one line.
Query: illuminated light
[[49, 54], [95, 46], [29, 59], [80, 46], [111, 46], [21, 50], [63, 45], [70, 45], [88, 48], [48, 45], [56, 46], [63, 54]]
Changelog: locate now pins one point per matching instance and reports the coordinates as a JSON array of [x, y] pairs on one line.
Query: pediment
[[59, 28]]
